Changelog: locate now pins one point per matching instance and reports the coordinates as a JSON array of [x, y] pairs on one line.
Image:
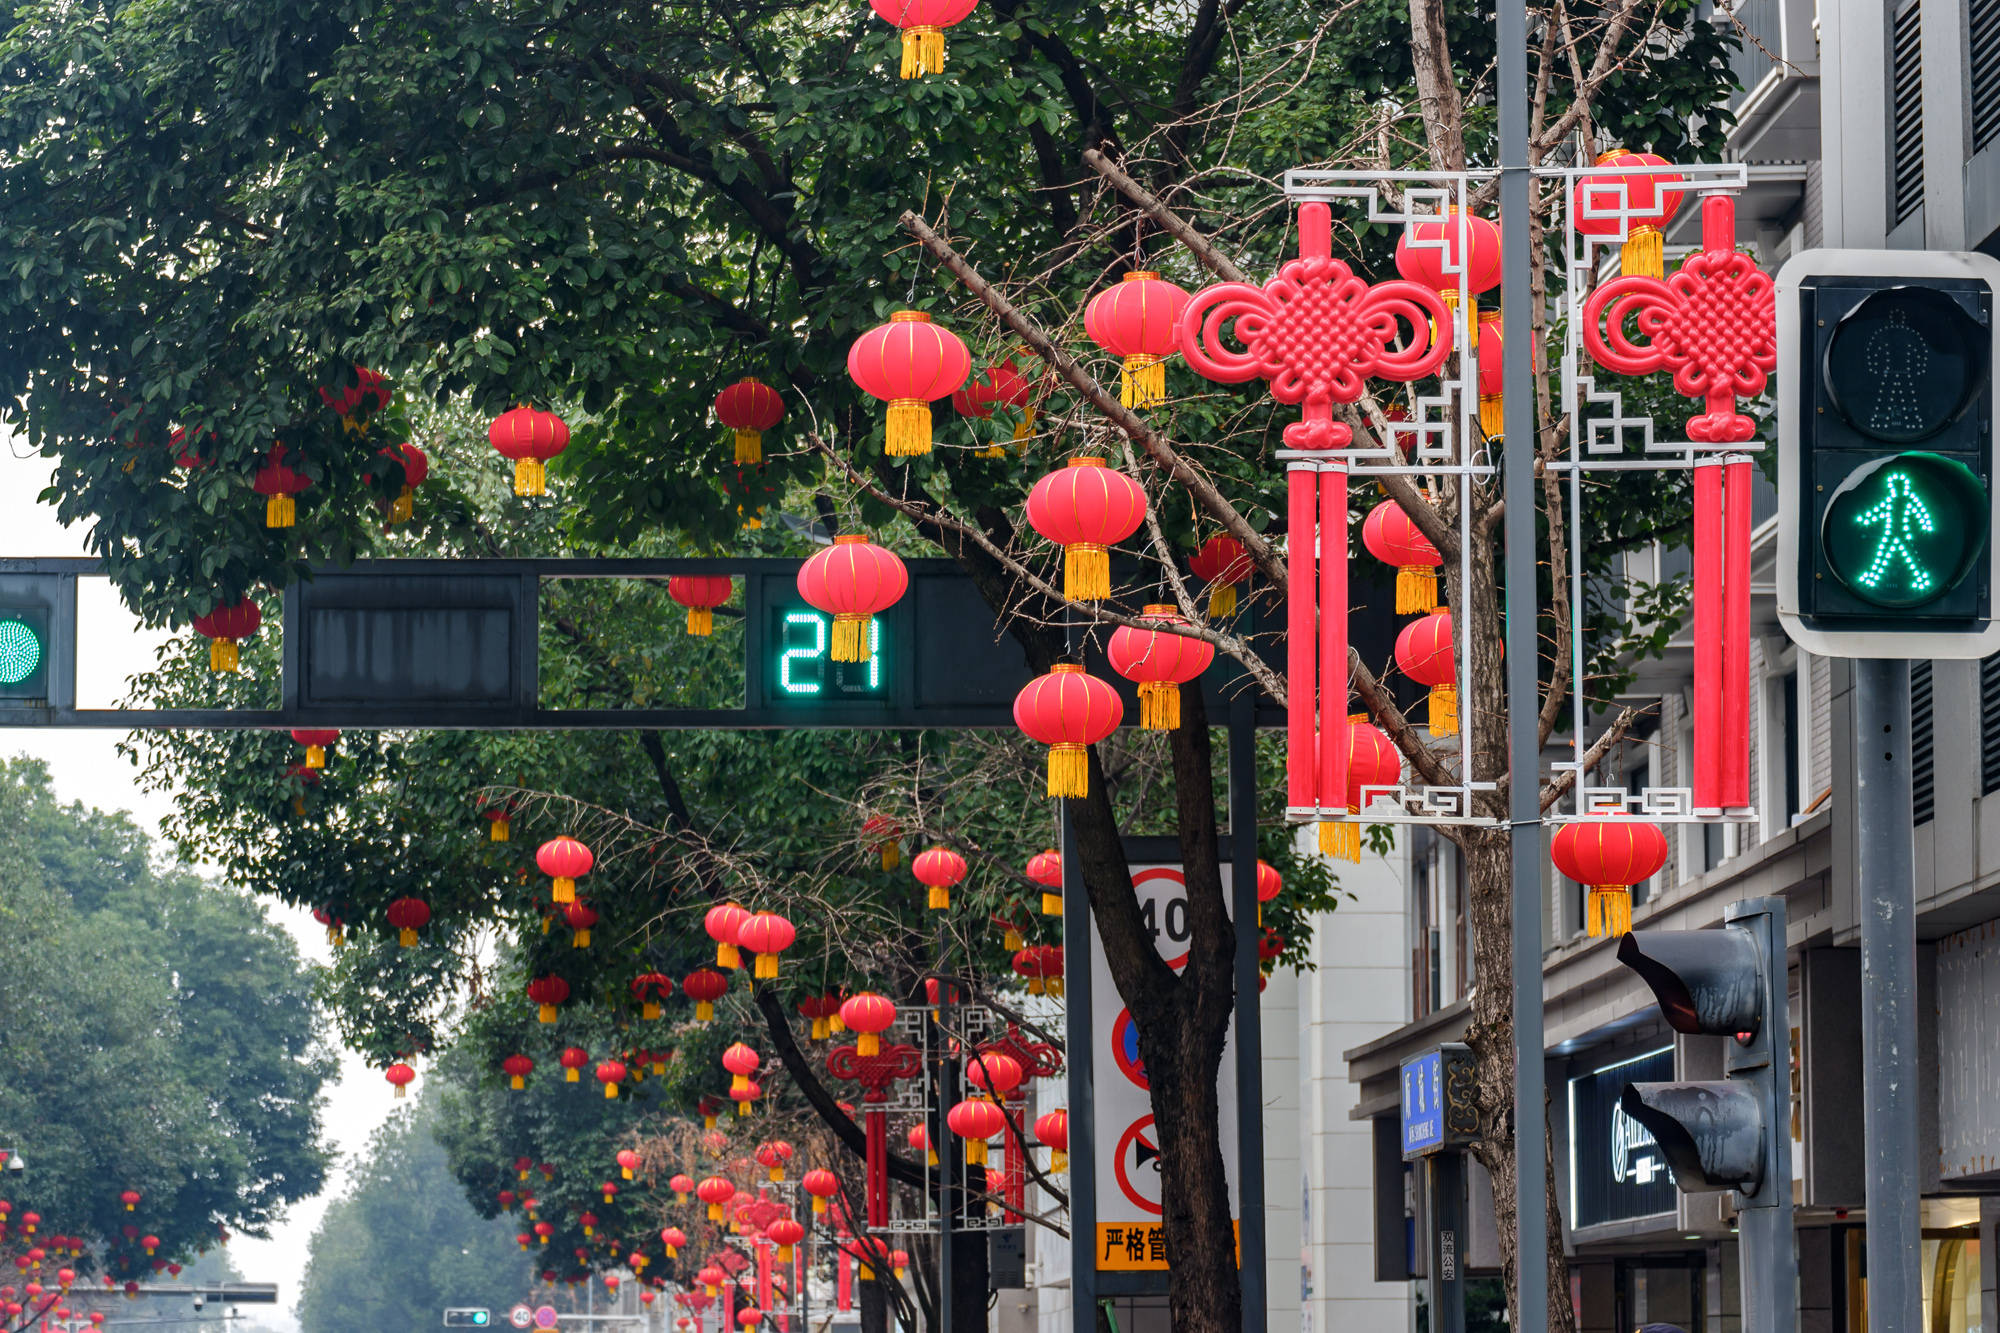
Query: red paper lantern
[[1138, 320], [581, 916], [408, 916], [1428, 253], [822, 1185], [1393, 539], [1492, 364], [1372, 761], [772, 1157], [416, 466], [588, 1221], [548, 993], [1424, 654], [564, 860], [704, 987], [223, 627], [1053, 1130], [741, 1062], [531, 439], [500, 821], [278, 483], [749, 407], [130, 1198], [923, 23], [1610, 853], [628, 1162], [919, 1139], [543, 1230], [715, 1192], [673, 1237], [853, 580], [939, 868], [1002, 385], [1636, 203], [651, 990], [819, 1008], [909, 361], [1221, 563], [869, 1015], [518, 1067], [317, 743], [399, 1075], [611, 1073], [996, 1072], [1045, 869], [573, 1059], [766, 935], [885, 834], [1086, 508], [1269, 882], [701, 594], [785, 1233], [1160, 661], [370, 390], [1068, 710], [723, 922], [975, 1120]]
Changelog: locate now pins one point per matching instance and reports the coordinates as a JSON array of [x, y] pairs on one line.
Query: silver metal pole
[[1524, 753], [1885, 874]]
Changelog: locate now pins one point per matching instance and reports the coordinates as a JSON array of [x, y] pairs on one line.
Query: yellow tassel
[[1416, 589], [497, 830], [931, 47], [1054, 986], [1011, 940], [610, 1091], [835, 1024], [547, 1014], [222, 655], [1340, 839], [727, 957], [701, 621], [850, 644], [767, 966], [1058, 1162], [659, 1067], [909, 428], [755, 520], [1159, 705], [1644, 253], [649, 1010], [406, 937], [299, 806], [1471, 321], [580, 940], [1444, 710], [1608, 909], [819, 1029], [714, 1215], [518, 1082], [1069, 770], [547, 923], [1086, 572], [315, 756], [819, 1204], [975, 1152], [564, 890], [1025, 427], [892, 852], [704, 1011], [279, 511], [742, 1109], [1036, 986], [399, 1090], [1491, 421], [913, 57], [749, 446], [867, 1044], [530, 477], [1143, 382], [1051, 903], [1221, 601], [939, 899], [991, 451], [404, 507], [571, 1076]]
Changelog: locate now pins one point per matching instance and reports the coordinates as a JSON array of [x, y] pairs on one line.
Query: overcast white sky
[[86, 767]]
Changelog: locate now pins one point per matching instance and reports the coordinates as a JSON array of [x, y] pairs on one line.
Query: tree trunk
[[873, 1303]]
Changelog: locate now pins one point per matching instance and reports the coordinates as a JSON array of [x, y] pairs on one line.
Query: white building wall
[[1360, 991], [1283, 1146]]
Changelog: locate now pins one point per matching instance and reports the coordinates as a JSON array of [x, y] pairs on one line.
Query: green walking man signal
[[1901, 516]]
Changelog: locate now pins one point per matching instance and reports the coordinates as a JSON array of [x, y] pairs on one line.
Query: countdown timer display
[[801, 665]]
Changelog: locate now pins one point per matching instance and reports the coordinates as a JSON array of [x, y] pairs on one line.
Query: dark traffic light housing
[[36, 613], [1886, 469], [468, 1318]]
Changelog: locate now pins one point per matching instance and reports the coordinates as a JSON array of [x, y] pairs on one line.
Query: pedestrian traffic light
[[27, 624], [467, 1318], [1886, 481]]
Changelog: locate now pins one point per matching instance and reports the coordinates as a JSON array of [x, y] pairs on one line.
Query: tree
[[619, 207]]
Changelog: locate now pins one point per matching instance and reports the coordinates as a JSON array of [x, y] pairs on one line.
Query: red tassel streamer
[[878, 1169], [1333, 674], [843, 1284], [1735, 762], [1301, 767], [764, 1274], [1708, 634]]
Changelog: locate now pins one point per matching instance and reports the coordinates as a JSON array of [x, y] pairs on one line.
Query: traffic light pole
[[1885, 874]]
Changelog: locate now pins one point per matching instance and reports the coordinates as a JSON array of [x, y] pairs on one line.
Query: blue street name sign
[[1438, 1107]]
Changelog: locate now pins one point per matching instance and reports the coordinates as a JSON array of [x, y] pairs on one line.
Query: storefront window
[[1951, 1284], [1661, 1291]]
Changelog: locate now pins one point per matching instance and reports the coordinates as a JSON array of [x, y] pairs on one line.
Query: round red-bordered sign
[[1158, 887], [1125, 1049], [1127, 1163]]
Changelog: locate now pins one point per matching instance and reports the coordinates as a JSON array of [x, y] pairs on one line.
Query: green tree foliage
[[158, 1036], [402, 1244]]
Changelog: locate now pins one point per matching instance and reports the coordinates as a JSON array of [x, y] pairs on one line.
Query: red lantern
[[1424, 653], [673, 1238], [149, 1243], [785, 1233], [822, 1185], [531, 439], [278, 483], [628, 1162], [1002, 385], [1053, 1129], [223, 626], [909, 361], [1028, 963], [416, 466], [919, 1139], [651, 990], [500, 821], [1221, 563], [1371, 762], [370, 390], [701, 594], [1068, 711], [581, 916], [573, 1059], [588, 1221], [1393, 539], [317, 743], [723, 923], [543, 1230], [682, 1185], [749, 407], [518, 1067], [1160, 661], [818, 1008], [1270, 947], [853, 580], [1138, 320], [522, 1166], [1428, 254], [1634, 203], [564, 860], [1610, 853], [741, 1062], [1492, 353], [773, 1156], [130, 1198], [399, 1075], [940, 868], [996, 1072], [548, 993], [975, 1120], [408, 916], [611, 1073], [715, 1192], [766, 935], [1086, 508], [923, 23], [704, 987], [1045, 869], [869, 1015]]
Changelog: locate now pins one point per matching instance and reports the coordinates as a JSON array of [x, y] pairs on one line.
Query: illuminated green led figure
[[20, 652], [1901, 516]]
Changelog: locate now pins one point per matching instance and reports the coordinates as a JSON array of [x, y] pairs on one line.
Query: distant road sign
[[521, 1316], [546, 1316]]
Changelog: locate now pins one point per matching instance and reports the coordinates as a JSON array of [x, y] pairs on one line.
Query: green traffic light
[[1905, 530], [20, 652]]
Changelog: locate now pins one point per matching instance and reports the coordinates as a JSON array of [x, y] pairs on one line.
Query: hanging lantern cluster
[[748, 408], [530, 438], [909, 362], [818, 1009], [1068, 710], [1609, 853], [700, 594], [1138, 321], [1086, 508], [939, 868], [1041, 966], [1159, 661], [1221, 563]]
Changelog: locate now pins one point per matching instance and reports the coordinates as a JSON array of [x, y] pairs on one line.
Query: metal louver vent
[[1923, 772], [1906, 114], [1983, 61], [1989, 725]]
